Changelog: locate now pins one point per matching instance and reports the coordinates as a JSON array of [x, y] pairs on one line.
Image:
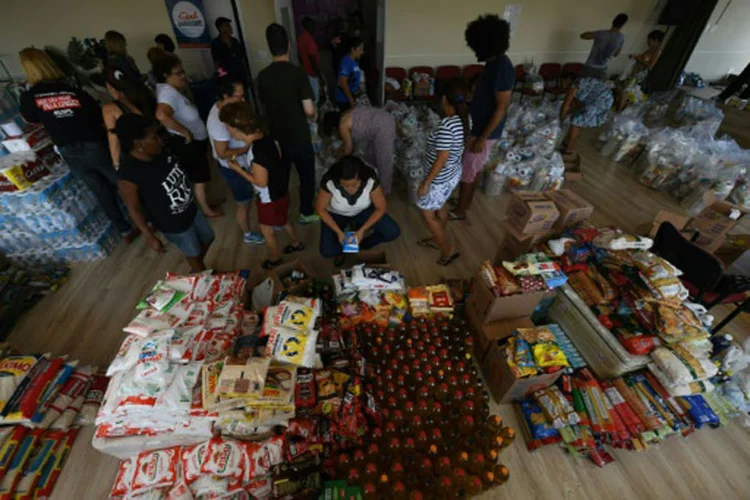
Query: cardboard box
[[733, 248], [486, 308], [714, 223], [515, 243], [650, 229], [33, 138], [573, 209], [532, 213], [499, 330], [285, 270], [501, 382], [253, 281]]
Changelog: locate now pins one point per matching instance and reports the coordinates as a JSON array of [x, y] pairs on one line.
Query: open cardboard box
[[714, 223], [256, 279], [516, 243], [650, 229], [286, 269], [498, 330], [501, 382], [532, 213], [486, 308], [573, 209]]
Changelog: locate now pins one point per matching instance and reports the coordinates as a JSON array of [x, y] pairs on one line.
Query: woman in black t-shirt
[[268, 175], [151, 179], [73, 120]]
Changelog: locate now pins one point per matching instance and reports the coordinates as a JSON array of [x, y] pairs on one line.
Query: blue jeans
[[315, 85], [241, 189], [194, 239], [383, 231], [303, 157], [91, 162]]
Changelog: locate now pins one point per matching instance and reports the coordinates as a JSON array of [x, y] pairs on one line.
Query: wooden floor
[[85, 319]]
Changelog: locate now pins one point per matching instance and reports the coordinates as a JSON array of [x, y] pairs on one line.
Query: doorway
[[362, 18]]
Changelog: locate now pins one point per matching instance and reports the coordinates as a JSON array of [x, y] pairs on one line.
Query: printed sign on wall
[[189, 23]]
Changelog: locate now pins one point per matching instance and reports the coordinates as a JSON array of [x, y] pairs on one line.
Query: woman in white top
[[188, 138], [351, 199], [226, 148], [442, 169]]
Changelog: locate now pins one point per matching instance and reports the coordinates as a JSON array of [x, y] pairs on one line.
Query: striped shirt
[[449, 136]]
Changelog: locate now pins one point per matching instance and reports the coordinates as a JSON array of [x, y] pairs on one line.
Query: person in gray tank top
[[607, 44]]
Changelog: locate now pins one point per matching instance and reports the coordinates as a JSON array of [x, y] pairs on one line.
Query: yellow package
[[549, 355]]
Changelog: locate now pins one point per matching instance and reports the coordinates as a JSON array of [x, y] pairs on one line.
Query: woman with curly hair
[[489, 37]]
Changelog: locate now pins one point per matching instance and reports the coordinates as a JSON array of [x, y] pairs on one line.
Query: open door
[[285, 17]]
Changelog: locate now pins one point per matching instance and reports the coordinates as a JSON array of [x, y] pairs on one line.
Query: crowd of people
[[151, 144]]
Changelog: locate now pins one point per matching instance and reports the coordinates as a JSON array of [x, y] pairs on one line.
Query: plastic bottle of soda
[[371, 472], [398, 491], [466, 425], [410, 409], [423, 407], [408, 449], [473, 485], [445, 488], [423, 440], [493, 443], [488, 479], [459, 476], [397, 471], [359, 458], [398, 418], [354, 477], [343, 463], [372, 454], [461, 459], [491, 459], [501, 473], [394, 448], [508, 435], [443, 466], [384, 484], [416, 495], [477, 463], [416, 424], [424, 468], [370, 491]]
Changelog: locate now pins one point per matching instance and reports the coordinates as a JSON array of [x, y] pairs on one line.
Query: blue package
[[351, 245], [538, 424], [699, 410]]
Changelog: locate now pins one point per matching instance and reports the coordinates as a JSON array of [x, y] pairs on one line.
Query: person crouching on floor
[[151, 179], [263, 168], [351, 197]]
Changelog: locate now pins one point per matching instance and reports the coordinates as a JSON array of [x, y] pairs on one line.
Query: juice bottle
[[409, 447], [354, 477], [456, 399], [343, 463], [491, 459], [443, 393], [501, 473], [432, 452], [488, 479], [359, 458], [461, 459], [494, 423], [493, 443], [400, 381], [410, 410], [436, 437], [477, 463], [391, 430], [373, 452], [469, 407], [459, 476], [394, 448], [466, 425], [445, 488], [398, 418], [423, 440], [466, 380], [416, 495], [473, 485], [423, 392], [424, 468], [416, 424]]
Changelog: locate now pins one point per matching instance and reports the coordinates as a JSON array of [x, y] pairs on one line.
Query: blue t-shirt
[[349, 69], [498, 75]]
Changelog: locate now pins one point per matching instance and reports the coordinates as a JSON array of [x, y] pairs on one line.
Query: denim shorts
[[241, 189], [198, 235]]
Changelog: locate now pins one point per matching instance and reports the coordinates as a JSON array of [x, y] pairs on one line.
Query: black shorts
[[193, 157]]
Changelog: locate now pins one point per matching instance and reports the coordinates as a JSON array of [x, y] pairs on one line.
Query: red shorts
[[274, 213]]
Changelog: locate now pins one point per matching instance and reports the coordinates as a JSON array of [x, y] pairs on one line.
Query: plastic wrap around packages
[[669, 151], [413, 125], [624, 137], [694, 110]]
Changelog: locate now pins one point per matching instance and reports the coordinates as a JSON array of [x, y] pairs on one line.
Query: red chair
[[427, 70], [471, 70], [398, 74], [520, 78], [445, 73], [575, 68]]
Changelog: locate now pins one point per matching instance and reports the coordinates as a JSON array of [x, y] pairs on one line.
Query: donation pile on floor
[[525, 157], [44, 400], [687, 162], [344, 394]]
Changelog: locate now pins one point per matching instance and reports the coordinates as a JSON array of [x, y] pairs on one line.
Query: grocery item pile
[[43, 402], [687, 162], [209, 399]]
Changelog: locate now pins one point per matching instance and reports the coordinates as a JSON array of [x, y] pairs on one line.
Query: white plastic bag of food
[[149, 321], [156, 469], [291, 346], [179, 394]]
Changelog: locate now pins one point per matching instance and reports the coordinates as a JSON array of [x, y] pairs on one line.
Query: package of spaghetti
[[556, 407], [10, 445], [52, 468], [18, 462], [45, 450]]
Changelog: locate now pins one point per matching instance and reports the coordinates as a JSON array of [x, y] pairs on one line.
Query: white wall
[[432, 32], [725, 45]]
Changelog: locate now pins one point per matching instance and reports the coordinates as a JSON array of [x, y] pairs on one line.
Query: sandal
[[294, 248], [270, 264], [445, 261], [428, 243], [455, 216]]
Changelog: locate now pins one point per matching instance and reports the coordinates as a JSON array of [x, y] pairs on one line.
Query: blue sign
[[189, 23]]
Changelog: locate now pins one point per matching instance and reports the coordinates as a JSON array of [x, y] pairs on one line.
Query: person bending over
[[225, 148], [442, 169], [188, 137], [268, 175], [587, 102], [371, 129], [156, 181], [351, 199], [489, 38]]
